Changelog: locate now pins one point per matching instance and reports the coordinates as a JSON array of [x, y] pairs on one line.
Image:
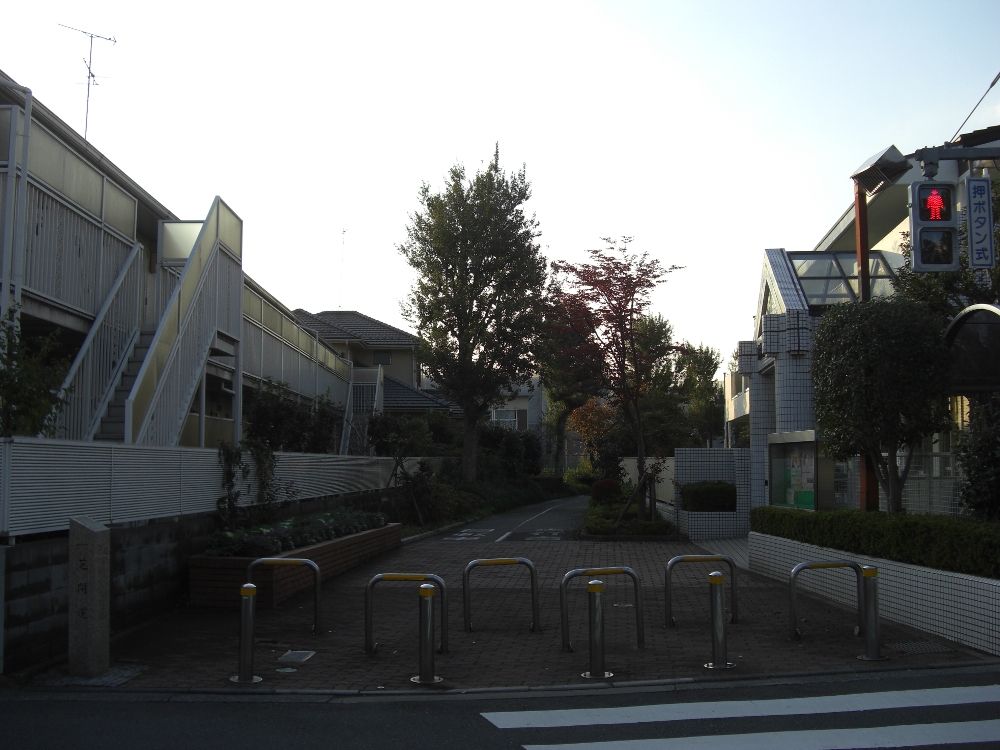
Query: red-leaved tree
[[608, 298]]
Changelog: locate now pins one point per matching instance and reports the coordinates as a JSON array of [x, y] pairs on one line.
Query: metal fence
[[45, 482]]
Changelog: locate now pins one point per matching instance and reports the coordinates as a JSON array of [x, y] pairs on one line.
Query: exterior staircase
[[112, 427]]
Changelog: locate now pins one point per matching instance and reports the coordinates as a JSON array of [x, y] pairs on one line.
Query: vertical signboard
[[979, 198]]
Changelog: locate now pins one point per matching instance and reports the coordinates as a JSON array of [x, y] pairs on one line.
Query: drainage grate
[[919, 647]]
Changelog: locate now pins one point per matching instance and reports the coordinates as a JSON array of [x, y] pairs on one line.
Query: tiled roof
[[397, 396], [370, 332], [326, 330]]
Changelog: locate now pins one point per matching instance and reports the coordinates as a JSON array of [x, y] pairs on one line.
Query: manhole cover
[[296, 657]]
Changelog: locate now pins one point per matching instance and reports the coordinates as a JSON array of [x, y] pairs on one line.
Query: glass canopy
[[828, 278]]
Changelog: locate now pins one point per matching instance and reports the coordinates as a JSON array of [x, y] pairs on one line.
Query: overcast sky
[[707, 130]]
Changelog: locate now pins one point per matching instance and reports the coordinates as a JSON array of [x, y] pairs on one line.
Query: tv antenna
[[91, 78]]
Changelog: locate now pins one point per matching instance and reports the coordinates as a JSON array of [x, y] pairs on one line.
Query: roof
[[397, 396], [327, 331], [370, 332]]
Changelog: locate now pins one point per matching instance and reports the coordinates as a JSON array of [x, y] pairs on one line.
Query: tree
[[610, 294], [592, 420], [569, 363], [477, 304], [31, 371], [696, 368], [880, 378]]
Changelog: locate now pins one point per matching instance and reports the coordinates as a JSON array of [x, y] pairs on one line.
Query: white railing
[[203, 304], [97, 368], [45, 482], [69, 257], [366, 387], [345, 433]]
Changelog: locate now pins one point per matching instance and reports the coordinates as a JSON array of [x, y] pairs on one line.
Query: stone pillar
[[89, 583]]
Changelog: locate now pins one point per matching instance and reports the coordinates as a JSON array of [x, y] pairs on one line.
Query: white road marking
[[738, 709], [529, 520]]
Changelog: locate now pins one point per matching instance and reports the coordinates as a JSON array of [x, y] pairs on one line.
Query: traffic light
[[933, 226]]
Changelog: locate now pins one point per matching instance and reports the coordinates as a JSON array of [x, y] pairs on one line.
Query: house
[[769, 399]]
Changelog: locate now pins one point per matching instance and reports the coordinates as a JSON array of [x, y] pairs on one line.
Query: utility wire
[[994, 83]]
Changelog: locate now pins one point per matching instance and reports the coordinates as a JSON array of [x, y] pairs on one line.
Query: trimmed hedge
[[708, 497], [942, 542], [600, 521]]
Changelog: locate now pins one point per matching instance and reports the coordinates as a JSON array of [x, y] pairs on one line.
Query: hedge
[[708, 497], [941, 542]]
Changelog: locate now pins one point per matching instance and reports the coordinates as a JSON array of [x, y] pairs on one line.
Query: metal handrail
[[618, 570], [81, 415], [496, 561], [825, 565], [297, 561], [674, 561], [370, 645]]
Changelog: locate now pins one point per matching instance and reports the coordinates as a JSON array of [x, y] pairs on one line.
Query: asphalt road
[[550, 521], [930, 709]]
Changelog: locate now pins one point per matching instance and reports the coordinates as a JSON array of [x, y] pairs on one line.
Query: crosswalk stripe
[[905, 735], [737, 709]]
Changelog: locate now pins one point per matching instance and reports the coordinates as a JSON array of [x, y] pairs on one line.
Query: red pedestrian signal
[[933, 230]]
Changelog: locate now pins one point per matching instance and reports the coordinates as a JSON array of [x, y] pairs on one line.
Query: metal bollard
[[245, 675], [870, 575], [596, 609], [426, 636], [716, 583]]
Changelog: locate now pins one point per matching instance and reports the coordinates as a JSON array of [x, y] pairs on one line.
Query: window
[[381, 358], [511, 419]]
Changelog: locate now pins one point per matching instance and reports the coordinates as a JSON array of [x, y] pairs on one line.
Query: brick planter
[[216, 581]]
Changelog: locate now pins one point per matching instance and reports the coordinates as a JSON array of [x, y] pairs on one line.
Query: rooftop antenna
[[91, 78]]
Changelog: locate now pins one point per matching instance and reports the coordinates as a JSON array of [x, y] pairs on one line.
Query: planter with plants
[[336, 542]]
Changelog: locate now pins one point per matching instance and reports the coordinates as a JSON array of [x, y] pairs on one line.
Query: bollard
[[716, 583], [870, 576], [245, 675], [425, 631], [596, 609]]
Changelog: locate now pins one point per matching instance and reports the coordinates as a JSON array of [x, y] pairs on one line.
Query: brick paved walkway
[[197, 649]]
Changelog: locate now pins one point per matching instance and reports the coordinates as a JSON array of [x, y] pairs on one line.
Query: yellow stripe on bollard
[[428, 589], [403, 577], [869, 572], [500, 561], [604, 571], [716, 579], [595, 587], [248, 589], [821, 566]]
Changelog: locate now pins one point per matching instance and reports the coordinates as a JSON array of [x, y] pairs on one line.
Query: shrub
[[263, 541], [708, 497], [941, 542], [581, 479], [601, 521], [605, 492], [553, 486]]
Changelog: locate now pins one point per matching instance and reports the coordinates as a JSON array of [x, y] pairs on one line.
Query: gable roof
[[367, 330], [327, 331]]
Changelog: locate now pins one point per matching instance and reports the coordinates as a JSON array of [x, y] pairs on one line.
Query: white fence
[[45, 482]]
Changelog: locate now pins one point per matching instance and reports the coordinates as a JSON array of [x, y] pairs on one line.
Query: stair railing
[[96, 370], [206, 300]]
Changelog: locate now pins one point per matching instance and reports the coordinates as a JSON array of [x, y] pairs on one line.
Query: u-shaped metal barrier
[[370, 645], [793, 619], [674, 561], [620, 570], [496, 561], [295, 561]]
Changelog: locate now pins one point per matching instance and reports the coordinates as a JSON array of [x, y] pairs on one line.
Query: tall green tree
[[703, 394], [611, 294], [477, 303], [880, 376]]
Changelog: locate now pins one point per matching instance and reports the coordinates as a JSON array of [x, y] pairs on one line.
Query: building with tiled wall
[[770, 400]]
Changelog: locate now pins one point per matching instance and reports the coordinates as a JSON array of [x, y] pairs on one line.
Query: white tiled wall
[[955, 606], [707, 464]]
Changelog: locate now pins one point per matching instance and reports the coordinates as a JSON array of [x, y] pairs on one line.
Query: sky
[[707, 131]]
